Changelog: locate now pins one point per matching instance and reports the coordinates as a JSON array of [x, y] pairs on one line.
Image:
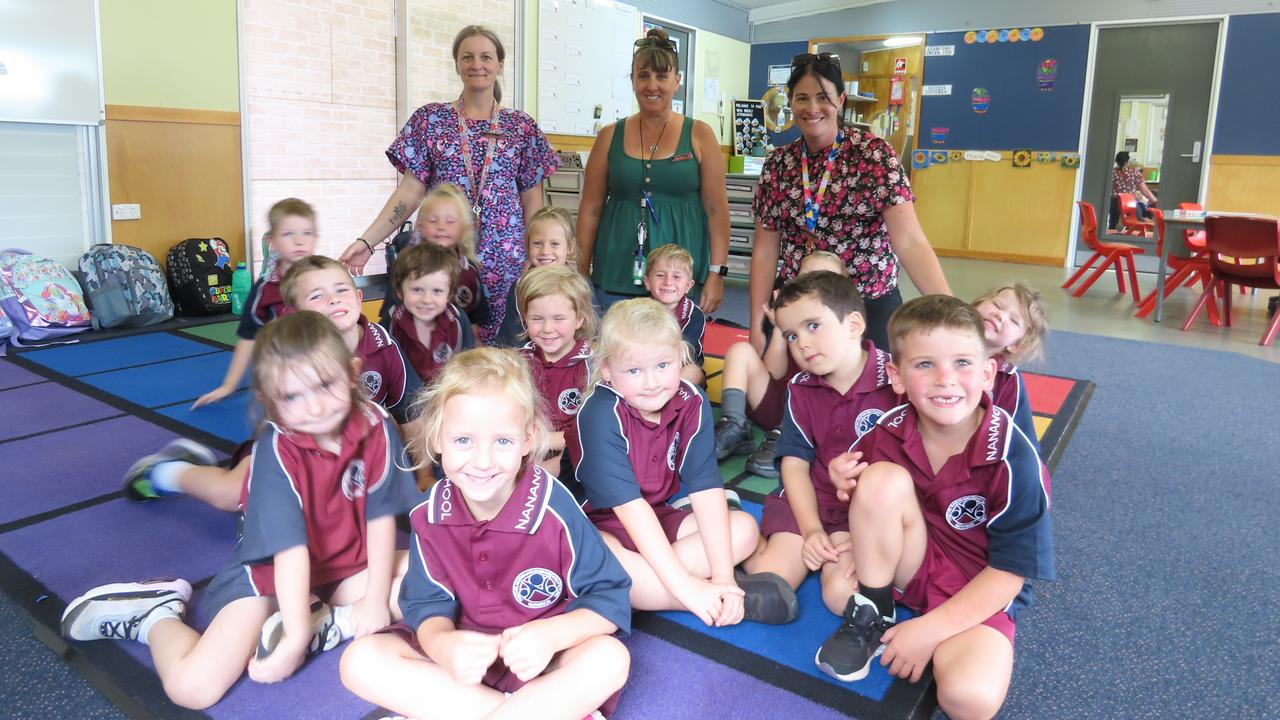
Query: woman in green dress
[[654, 178]]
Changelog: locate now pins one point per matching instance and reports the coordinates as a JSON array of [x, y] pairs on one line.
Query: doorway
[[1152, 87], [683, 39]]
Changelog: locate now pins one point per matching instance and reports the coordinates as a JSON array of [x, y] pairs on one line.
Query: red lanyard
[[812, 205], [475, 187]]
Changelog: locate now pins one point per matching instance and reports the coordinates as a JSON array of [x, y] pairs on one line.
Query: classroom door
[[1173, 64]]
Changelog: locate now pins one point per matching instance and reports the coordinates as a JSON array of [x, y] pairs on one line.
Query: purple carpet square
[[48, 406], [12, 376], [120, 541], [91, 461], [91, 357]]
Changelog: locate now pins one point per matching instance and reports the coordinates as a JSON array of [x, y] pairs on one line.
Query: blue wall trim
[[1249, 95]]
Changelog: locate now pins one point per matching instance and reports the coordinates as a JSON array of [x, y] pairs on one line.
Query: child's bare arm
[[293, 593], [240, 358], [803, 501], [910, 644], [373, 611], [527, 649], [775, 355]]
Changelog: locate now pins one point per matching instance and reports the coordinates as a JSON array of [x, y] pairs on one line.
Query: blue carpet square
[[167, 382], [91, 357], [231, 419]]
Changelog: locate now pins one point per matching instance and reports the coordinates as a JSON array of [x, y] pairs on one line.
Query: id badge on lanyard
[[647, 212]]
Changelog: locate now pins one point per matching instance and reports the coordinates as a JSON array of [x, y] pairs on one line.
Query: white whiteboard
[[49, 56], [584, 60]]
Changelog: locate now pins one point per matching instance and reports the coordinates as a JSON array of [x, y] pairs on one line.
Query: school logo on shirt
[[372, 380], [671, 451], [536, 588], [464, 296], [569, 401], [866, 420], [353, 480], [967, 512], [442, 353]]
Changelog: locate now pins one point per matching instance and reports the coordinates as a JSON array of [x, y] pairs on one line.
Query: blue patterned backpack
[[125, 286]]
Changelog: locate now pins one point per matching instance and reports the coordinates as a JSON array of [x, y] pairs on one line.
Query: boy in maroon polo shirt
[[428, 326], [292, 236], [841, 392], [511, 598], [669, 278], [953, 509]]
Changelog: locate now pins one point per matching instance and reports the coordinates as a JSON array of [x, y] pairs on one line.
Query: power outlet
[[127, 211]]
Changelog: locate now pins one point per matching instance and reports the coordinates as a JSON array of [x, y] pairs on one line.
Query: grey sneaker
[[117, 611], [137, 480], [848, 653], [769, 599], [330, 626], [733, 437], [731, 498], [761, 461]]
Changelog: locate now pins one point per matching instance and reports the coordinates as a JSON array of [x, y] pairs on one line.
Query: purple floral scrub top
[[430, 148], [866, 179]]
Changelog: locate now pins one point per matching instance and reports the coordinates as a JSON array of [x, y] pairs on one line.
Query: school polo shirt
[[264, 304], [693, 323], [1010, 394], [451, 334], [537, 558], [987, 505], [560, 383], [470, 296], [390, 381], [619, 456], [300, 494], [819, 423]]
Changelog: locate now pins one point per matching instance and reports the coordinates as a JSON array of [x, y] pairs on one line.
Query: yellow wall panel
[[942, 203], [1021, 211], [1244, 183]]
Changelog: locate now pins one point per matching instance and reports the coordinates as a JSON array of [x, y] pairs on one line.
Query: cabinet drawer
[[741, 240], [739, 266], [568, 201], [570, 180]]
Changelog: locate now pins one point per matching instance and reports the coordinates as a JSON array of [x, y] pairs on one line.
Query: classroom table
[[1174, 222]]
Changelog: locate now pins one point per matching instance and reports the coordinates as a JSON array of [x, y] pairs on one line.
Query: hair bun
[[658, 33]]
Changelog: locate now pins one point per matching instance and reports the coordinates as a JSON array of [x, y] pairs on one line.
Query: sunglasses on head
[[806, 59], [657, 42]]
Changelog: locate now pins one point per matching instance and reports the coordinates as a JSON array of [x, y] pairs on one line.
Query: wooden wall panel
[[183, 168], [1244, 183], [942, 203]]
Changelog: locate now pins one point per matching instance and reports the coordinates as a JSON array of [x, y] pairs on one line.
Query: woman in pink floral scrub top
[[431, 150], [861, 202]]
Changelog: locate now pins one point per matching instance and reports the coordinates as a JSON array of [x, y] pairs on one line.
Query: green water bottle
[[241, 282]]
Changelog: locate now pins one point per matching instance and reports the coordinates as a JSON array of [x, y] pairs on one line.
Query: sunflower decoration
[[1044, 157], [938, 157], [1022, 158], [957, 155], [1070, 161]]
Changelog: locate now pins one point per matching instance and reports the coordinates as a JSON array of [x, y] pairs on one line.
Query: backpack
[[41, 298], [200, 276], [124, 286]]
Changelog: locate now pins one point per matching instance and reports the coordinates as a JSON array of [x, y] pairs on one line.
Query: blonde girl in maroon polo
[[428, 326], [548, 240], [642, 434], [326, 482], [511, 599], [1014, 323]]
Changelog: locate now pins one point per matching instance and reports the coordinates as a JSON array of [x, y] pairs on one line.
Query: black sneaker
[[761, 461], [733, 437], [1272, 305], [848, 653], [769, 599]]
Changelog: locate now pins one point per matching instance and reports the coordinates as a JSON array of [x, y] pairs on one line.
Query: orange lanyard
[[474, 186]]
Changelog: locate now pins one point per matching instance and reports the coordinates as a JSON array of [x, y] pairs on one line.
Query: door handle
[[1195, 152]]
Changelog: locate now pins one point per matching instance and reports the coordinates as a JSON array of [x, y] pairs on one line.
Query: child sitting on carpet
[[840, 393], [1014, 320], [548, 240], [755, 385], [428, 326], [319, 520], [642, 433], [953, 509], [511, 596], [669, 278], [313, 283], [555, 301], [292, 236]]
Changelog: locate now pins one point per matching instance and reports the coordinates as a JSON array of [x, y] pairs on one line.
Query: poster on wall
[[749, 132]]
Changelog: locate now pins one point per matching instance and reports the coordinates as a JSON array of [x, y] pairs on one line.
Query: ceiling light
[[903, 41]]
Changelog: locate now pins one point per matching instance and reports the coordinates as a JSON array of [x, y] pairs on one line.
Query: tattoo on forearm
[[399, 213]]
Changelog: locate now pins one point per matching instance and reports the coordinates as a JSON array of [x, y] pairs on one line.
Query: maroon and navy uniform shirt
[[386, 376], [452, 334], [537, 558], [1010, 394], [619, 456], [300, 494], [264, 304], [470, 295], [986, 506], [693, 323], [560, 383], [819, 423]]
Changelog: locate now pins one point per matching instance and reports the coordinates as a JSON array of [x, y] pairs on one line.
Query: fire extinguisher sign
[[899, 66]]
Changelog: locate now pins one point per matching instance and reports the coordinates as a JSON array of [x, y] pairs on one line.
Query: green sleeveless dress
[[676, 187]]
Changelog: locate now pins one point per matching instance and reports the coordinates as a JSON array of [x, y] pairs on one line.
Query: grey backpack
[[124, 286]]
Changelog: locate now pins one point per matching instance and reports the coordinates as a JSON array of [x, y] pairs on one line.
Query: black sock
[[882, 597]]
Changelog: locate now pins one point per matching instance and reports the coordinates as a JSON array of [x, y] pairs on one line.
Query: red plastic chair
[[1194, 238], [1111, 253], [1242, 251], [1129, 222], [1188, 270]]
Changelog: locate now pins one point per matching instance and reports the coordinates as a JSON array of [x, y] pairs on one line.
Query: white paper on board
[[991, 155], [710, 94], [974, 155], [939, 50], [928, 90]]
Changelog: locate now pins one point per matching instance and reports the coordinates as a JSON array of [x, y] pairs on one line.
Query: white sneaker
[[330, 626], [119, 611]]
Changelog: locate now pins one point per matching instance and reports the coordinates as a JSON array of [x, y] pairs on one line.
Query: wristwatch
[[721, 270]]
